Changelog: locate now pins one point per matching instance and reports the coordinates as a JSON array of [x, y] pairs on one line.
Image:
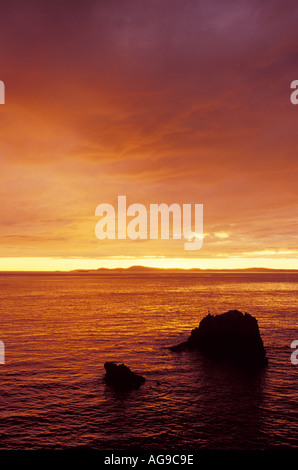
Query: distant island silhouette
[[139, 269], [148, 269]]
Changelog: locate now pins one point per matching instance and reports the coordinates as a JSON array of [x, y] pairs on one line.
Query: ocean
[[59, 330]]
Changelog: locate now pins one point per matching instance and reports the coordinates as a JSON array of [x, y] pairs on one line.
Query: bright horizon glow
[[59, 264]]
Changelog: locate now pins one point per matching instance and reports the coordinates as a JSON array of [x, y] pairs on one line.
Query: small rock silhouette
[[121, 377]]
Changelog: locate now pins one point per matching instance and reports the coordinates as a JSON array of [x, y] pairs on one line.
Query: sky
[[163, 101]]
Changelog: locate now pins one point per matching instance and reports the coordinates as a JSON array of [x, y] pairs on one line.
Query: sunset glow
[[158, 104], [148, 229]]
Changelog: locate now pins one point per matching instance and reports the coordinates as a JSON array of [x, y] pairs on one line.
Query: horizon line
[[47, 264], [136, 268]]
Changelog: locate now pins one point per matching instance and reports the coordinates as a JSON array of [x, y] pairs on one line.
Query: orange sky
[[171, 101]]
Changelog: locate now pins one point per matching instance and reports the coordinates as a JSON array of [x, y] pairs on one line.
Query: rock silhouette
[[121, 377], [231, 336]]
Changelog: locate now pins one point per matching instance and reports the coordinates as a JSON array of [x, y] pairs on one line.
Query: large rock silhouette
[[231, 336], [121, 377]]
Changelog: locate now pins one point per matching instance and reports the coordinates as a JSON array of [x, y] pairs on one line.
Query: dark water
[[59, 330]]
